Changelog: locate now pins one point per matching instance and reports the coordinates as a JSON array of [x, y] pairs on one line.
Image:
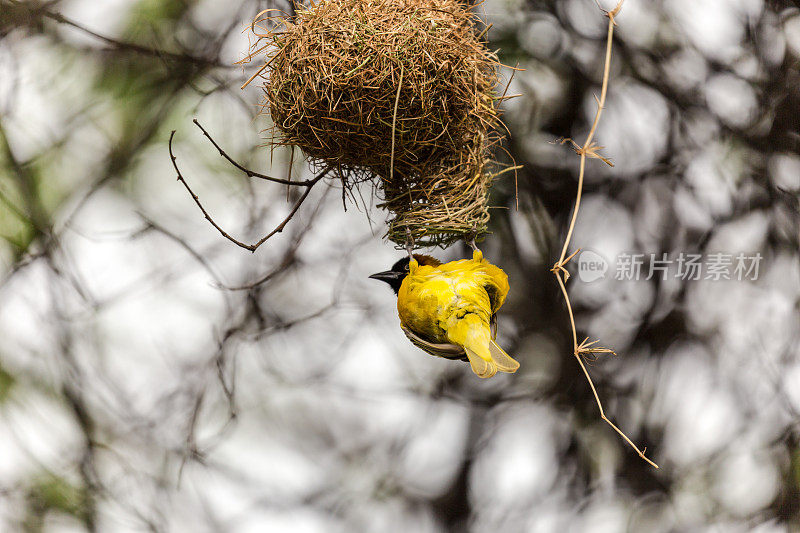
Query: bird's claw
[[470, 239], [409, 243]]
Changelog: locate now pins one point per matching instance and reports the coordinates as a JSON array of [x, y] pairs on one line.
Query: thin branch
[[590, 149], [279, 228], [250, 173]]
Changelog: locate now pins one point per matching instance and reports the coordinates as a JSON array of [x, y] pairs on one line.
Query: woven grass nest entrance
[[399, 93]]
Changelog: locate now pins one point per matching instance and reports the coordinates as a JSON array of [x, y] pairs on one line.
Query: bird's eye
[[406, 267]]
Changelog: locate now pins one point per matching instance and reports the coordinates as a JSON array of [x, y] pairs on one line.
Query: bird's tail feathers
[[504, 362], [479, 365]]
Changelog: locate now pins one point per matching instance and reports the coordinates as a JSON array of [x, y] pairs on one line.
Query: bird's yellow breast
[[433, 300]]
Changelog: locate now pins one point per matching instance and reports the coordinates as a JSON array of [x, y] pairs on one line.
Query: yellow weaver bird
[[448, 309]]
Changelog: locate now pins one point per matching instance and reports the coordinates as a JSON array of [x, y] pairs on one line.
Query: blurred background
[[155, 377]]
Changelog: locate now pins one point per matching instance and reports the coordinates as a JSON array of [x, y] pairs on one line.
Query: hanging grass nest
[[396, 92]]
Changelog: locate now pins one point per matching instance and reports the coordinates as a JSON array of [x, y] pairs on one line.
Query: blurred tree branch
[[17, 14]]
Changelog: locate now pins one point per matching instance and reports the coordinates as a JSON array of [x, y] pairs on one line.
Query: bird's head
[[395, 276]]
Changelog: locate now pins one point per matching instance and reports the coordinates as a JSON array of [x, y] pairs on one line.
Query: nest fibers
[[397, 92]]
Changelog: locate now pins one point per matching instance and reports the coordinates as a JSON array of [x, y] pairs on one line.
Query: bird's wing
[[495, 285], [495, 281], [447, 351]]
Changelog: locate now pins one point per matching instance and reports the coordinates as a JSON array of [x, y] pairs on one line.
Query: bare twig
[[590, 149], [279, 228], [251, 173]]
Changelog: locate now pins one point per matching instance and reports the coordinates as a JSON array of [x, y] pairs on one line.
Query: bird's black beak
[[389, 276]]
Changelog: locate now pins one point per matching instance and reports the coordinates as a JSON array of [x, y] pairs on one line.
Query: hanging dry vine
[[590, 149]]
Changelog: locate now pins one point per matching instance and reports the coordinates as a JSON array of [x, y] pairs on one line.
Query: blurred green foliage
[[50, 493], [7, 382]]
